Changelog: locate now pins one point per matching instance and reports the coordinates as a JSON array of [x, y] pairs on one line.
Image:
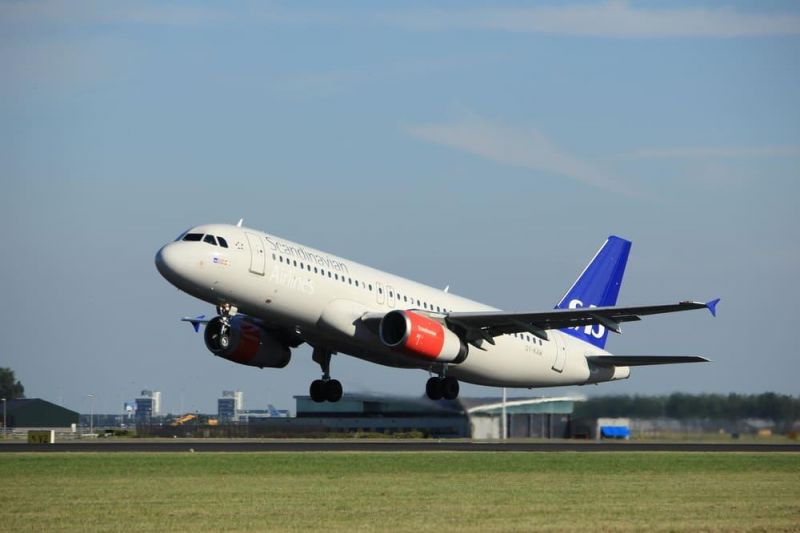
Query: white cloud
[[526, 148], [613, 18], [723, 152]]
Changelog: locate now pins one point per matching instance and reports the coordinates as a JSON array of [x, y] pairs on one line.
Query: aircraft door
[[258, 257], [561, 352]]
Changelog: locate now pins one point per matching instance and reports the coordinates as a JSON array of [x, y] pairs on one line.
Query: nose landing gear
[[225, 311], [325, 389]]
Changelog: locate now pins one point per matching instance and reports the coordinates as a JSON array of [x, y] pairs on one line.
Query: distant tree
[[9, 388]]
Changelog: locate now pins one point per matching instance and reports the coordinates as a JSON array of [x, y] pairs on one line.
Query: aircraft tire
[[317, 391], [450, 388], [433, 388], [333, 390], [224, 341]]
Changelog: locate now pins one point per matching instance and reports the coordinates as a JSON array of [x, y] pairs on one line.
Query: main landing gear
[[442, 387], [325, 389]]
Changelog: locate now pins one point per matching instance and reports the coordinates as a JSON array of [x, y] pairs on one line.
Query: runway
[[225, 445]]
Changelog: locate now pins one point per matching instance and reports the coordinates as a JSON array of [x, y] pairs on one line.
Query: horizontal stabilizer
[[196, 321], [643, 360]]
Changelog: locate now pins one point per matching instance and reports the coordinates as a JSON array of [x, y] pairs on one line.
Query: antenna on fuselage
[[239, 224], [447, 289]]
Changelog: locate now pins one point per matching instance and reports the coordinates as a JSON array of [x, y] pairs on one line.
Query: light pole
[[503, 424], [4, 418], [91, 415]]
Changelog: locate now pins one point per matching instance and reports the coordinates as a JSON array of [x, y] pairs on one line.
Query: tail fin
[[598, 286]]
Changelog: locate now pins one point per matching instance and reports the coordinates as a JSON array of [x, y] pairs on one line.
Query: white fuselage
[[321, 298]]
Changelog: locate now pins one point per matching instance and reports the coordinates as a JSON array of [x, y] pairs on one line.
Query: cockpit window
[[210, 239], [222, 242], [181, 236], [195, 237]]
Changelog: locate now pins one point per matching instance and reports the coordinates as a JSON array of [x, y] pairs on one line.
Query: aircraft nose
[[168, 261]]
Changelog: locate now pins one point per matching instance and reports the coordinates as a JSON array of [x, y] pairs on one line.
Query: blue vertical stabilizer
[[598, 286]]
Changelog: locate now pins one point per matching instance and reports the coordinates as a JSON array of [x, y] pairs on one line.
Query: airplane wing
[[486, 325], [643, 360]]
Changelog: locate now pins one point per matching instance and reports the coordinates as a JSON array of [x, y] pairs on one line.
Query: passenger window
[[350, 281], [308, 267], [356, 283], [438, 310], [224, 244], [273, 257], [370, 286], [295, 262], [336, 276], [193, 237], [380, 291], [210, 239], [315, 270], [301, 265], [329, 273]]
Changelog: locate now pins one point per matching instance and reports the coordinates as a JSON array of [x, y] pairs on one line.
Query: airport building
[[148, 405], [38, 413], [230, 405], [478, 418]]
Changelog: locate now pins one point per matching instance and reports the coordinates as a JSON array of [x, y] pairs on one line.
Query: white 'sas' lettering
[[597, 330]]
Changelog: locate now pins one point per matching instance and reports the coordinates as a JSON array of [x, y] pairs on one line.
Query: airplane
[[272, 295]]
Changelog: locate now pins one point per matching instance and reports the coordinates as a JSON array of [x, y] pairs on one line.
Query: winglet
[[712, 306], [195, 322]]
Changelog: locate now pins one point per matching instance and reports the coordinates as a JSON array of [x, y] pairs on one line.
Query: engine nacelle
[[247, 343], [422, 337]]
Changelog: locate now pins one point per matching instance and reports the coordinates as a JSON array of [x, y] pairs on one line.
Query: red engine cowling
[[247, 343], [422, 337]]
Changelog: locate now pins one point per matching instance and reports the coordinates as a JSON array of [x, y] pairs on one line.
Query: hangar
[[38, 413], [478, 418]]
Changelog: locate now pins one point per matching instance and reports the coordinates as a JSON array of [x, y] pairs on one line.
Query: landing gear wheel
[[224, 341], [434, 389], [449, 387], [318, 391], [333, 390]]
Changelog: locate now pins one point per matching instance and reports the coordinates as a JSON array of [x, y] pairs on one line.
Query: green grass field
[[400, 491]]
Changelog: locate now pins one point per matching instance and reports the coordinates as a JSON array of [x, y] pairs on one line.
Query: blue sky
[[491, 147]]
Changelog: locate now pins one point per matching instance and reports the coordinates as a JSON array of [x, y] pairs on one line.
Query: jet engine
[[246, 342], [421, 336]]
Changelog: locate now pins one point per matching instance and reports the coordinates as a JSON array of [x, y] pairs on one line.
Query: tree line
[[10, 387], [768, 405]]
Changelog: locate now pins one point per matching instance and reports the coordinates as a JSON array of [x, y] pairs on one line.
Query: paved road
[[222, 445]]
